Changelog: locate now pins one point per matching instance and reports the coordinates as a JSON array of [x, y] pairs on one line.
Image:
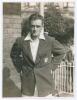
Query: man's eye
[[32, 26], [36, 26]]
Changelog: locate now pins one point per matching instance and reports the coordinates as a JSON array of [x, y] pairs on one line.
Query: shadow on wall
[[9, 87], [25, 27]]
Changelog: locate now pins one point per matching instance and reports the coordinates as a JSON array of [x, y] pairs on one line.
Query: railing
[[64, 77]]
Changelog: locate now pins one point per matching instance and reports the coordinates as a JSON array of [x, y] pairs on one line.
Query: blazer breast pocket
[[45, 59]]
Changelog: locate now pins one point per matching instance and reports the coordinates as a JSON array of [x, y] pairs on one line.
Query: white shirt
[[34, 48], [34, 44]]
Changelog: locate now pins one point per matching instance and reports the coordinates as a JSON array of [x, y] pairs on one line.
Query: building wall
[[11, 30]]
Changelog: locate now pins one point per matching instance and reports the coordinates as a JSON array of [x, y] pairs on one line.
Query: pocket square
[[46, 60]]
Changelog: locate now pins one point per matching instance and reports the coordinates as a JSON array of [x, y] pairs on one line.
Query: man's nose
[[35, 28]]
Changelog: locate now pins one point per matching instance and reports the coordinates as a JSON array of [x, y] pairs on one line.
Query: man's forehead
[[36, 21]]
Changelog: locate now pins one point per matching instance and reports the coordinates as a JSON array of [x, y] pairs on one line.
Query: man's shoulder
[[49, 38], [20, 38]]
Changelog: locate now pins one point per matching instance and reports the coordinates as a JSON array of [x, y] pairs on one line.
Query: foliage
[[57, 26]]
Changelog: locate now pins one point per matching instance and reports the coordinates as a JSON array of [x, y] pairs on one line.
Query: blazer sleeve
[[16, 55], [59, 52]]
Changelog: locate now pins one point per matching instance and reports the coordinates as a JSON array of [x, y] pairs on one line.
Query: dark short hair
[[36, 16]]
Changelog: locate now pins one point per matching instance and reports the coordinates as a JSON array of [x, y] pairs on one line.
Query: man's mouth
[[34, 33]]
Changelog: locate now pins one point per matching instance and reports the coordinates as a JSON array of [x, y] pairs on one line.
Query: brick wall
[[12, 25], [11, 30]]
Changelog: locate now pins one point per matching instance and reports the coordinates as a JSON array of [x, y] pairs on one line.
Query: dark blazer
[[38, 72]]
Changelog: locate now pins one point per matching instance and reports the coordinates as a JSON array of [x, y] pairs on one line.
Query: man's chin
[[34, 36]]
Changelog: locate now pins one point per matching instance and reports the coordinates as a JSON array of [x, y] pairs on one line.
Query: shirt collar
[[28, 37]]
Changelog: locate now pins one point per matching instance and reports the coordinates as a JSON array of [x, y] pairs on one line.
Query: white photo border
[[75, 46]]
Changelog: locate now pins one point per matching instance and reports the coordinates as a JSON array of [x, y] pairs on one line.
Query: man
[[33, 56]]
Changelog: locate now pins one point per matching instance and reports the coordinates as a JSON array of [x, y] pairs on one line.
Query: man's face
[[36, 27]]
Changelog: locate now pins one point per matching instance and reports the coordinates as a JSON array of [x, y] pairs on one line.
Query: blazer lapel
[[40, 50], [29, 50]]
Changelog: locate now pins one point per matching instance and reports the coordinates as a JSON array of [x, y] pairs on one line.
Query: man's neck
[[34, 38]]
